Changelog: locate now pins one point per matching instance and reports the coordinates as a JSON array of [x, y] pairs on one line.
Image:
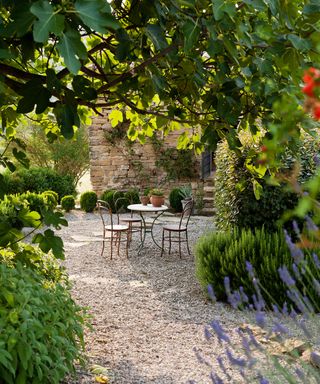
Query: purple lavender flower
[[316, 260], [222, 367], [286, 277], [211, 293], [296, 271], [260, 319], [296, 252], [220, 332], [315, 358], [310, 224], [316, 285], [249, 268], [215, 378], [296, 228], [300, 374], [263, 380], [241, 362], [207, 333], [280, 328]]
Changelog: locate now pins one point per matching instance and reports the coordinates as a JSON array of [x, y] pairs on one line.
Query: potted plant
[[145, 198], [186, 194], [156, 197]]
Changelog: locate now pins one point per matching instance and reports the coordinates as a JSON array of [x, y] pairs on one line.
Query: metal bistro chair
[[172, 233], [134, 222], [112, 232]]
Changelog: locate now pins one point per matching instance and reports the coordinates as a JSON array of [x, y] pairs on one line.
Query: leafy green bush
[[68, 202], [88, 201], [111, 196], [39, 180], [224, 254], [175, 199], [11, 183], [36, 202], [52, 198], [235, 201], [43, 328], [44, 264], [132, 197], [12, 209]]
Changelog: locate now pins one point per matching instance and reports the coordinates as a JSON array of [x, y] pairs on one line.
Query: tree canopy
[[215, 64]]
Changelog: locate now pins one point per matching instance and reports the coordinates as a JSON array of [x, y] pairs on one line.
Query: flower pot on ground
[[156, 197]]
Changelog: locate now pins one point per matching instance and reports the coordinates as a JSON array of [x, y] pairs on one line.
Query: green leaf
[[93, 14], [257, 189], [115, 117], [191, 33], [72, 50], [48, 241], [156, 35], [55, 219], [299, 43], [83, 88], [21, 157], [311, 8], [222, 7], [48, 21], [67, 117], [29, 218], [35, 94]]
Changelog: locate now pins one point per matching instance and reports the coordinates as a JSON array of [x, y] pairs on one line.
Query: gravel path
[[149, 313]]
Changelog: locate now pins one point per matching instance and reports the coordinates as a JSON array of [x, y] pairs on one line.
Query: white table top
[[146, 208]]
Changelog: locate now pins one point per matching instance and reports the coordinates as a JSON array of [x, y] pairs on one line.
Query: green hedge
[[38, 180], [224, 254], [237, 206], [175, 199], [88, 201], [68, 202]]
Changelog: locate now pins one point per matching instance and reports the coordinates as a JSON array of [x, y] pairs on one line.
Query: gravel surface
[[149, 312]]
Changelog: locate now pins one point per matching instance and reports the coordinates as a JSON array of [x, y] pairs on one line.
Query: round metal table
[[141, 209]]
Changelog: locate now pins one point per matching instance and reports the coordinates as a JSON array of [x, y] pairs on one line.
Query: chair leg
[[162, 243], [103, 242], [141, 233], [111, 245], [127, 244], [169, 242], [188, 243], [119, 239], [130, 232], [180, 245]]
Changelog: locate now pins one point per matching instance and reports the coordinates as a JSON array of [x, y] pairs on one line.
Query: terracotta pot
[[157, 201], [144, 200]]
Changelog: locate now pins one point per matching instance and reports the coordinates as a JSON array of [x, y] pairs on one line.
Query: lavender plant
[[283, 347]]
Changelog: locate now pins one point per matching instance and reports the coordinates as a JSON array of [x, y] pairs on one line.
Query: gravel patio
[[149, 312]]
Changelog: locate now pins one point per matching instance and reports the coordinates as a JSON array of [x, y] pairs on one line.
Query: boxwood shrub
[[175, 199], [111, 196], [88, 201], [68, 202], [237, 206]]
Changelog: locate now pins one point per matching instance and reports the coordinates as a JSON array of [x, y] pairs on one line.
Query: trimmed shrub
[[88, 201], [36, 202], [39, 180], [175, 199], [46, 352], [132, 197], [68, 202], [111, 196], [235, 202], [52, 198], [224, 254]]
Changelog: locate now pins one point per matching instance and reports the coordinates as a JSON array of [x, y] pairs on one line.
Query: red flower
[[308, 89], [316, 111], [263, 148]]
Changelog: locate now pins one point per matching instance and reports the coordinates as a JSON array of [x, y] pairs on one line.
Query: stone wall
[[119, 164]]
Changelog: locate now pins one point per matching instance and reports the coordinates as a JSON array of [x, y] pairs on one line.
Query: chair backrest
[[105, 212], [110, 213], [186, 213]]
